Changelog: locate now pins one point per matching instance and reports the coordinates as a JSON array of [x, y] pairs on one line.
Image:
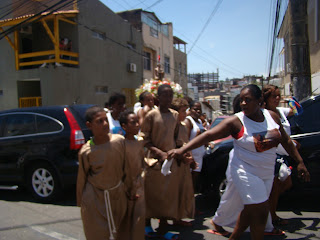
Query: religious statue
[[158, 72]]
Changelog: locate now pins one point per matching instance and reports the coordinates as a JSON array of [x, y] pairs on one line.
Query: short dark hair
[[92, 111], [123, 117], [115, 97], [192, 103], [163, 87], [254, 89], [143, 95], [178, 103], [236, 104]]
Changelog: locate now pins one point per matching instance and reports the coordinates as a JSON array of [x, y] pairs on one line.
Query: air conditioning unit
[[132, 67], [26, 30]]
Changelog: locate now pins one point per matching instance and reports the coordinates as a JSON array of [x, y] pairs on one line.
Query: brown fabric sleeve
[[82, 175]]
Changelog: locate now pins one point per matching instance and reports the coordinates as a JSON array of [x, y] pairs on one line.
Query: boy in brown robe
[[132, 227], [100, 189], [160, 128]]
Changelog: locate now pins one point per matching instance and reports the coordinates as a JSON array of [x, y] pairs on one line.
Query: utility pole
[[299, 44]]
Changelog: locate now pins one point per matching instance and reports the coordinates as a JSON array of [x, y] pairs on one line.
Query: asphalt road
[[22, 218]]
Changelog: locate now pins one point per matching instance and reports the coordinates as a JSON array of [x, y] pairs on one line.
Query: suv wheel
[[43, 182]]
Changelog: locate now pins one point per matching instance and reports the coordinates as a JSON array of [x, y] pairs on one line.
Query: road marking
[[52, 234]]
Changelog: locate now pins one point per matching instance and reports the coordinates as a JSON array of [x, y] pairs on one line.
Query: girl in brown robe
[[186, 193], [100, 190], [132, 227]]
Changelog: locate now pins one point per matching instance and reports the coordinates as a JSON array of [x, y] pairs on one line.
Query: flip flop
[[224, 233], [149, 232], [171, 236], [275, 232]]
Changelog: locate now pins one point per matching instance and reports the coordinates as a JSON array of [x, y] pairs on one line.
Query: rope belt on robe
[[111, 225]]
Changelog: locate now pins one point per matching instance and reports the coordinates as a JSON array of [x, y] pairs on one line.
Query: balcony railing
[[30, 102]]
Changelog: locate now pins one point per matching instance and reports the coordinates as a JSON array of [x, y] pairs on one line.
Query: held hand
[[162, 156], [194, 165], [187, 158], [175, 153], [303, 172]]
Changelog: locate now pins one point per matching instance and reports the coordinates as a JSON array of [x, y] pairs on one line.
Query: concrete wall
[[314, 43], [105, 62], [102, 62], [182, 79]]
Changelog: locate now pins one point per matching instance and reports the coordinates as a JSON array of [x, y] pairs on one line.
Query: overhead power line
[[36, 17], [206, 24]]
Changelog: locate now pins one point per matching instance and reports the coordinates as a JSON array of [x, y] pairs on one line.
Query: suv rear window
[[19, 124], [45, 124]]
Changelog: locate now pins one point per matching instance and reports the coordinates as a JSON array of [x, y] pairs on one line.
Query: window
[[101, 89], [165, 30], [19, 124], [152, 23], [154, 32], [146, 61], [45, 124], [166, 65]]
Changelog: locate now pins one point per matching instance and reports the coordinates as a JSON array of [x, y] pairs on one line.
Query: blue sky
[[236, 40]]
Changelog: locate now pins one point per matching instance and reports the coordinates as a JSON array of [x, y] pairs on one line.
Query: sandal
[[275, 232], [149, 232], [280, 222], [171, 236]]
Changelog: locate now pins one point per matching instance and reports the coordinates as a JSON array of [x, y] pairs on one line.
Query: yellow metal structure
[[30, 102], [52, 55], [130, 96]]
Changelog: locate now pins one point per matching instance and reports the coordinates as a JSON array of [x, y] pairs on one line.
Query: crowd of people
[[145, 164]]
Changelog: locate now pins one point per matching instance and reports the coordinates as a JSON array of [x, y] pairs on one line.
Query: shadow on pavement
[[67, 198]]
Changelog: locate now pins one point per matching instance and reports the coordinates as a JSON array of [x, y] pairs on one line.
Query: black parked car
[[39, 147], [305, 128]]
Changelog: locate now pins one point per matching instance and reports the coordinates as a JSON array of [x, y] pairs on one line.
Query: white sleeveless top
[[114, 125], [197, 153], [255, 150]]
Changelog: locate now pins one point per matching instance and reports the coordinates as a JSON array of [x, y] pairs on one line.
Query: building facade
[[159, 46], [312, 22], [36, 64]]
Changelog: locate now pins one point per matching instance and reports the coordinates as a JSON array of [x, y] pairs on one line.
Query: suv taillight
[[76, 136]]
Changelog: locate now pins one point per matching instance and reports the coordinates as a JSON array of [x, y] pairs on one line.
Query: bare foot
[[218, 228]]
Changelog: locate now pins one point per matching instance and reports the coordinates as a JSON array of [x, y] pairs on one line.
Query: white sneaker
[[43, 65], [58, 65]]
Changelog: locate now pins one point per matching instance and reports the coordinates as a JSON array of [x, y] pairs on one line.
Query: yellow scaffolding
[[53, 55], [30, 102]]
